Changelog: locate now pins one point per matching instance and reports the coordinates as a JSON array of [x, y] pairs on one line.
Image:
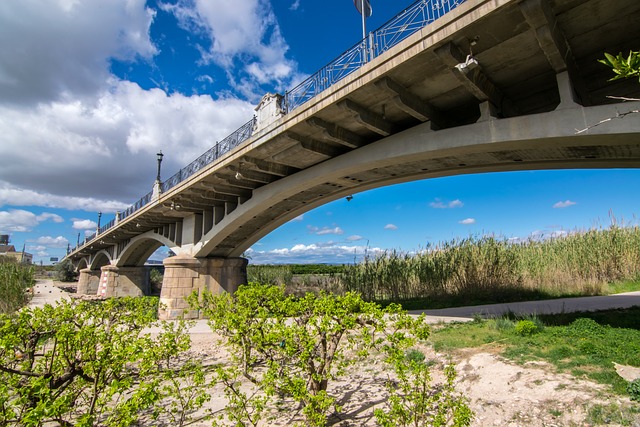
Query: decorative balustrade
[[407, 22]]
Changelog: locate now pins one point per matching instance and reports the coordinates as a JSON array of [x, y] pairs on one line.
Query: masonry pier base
[[88, 282], [123, 281], [184, 274]]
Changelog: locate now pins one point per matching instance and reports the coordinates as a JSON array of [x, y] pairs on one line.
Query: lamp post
[[160, 156], [78, 243], [99, 216]]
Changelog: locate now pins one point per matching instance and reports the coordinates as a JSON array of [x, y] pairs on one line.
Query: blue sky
[[91, 90]]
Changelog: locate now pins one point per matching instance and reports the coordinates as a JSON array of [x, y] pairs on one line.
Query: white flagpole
[[364, 25]]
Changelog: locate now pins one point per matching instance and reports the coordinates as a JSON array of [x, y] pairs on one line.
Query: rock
[[629, 373]]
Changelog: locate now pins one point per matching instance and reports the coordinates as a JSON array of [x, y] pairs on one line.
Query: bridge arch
[[100, 259], [140, 248], [541, 141], [82, 263]]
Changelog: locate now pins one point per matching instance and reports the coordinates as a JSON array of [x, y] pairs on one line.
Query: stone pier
[[184, 274], [88, 282], [123, 281]]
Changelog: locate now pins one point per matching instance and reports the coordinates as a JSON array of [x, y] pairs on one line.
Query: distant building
[[10, 251]]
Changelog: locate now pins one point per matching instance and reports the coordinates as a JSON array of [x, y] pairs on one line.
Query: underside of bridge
[[496, 85]]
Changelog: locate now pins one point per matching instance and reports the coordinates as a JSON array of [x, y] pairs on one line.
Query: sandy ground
[[500, 392]]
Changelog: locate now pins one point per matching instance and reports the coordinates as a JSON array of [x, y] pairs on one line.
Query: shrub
[[526, 328], [634, 389], [293, 347]]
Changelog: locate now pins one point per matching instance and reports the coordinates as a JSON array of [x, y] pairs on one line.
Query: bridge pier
[[184, 274], [88, 282], [123, 281]]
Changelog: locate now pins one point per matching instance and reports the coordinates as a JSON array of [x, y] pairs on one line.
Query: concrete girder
[[272, 168], [411, 104], [474, 79], [553, 43], [367, 118], [335, 133]]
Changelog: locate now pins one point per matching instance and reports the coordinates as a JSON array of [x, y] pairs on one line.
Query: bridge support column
[[124, 281], [183, 275], [88, 282]]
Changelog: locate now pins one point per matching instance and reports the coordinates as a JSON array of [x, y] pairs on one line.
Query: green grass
[[583, 344]]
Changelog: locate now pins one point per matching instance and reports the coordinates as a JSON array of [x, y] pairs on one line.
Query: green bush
[[634, 389], [526, 328], [290, 347]]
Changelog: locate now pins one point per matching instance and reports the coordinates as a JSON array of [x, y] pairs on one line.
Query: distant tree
[[66, 271]]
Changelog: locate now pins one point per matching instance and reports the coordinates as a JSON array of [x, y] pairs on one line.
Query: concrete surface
[[45, 292]]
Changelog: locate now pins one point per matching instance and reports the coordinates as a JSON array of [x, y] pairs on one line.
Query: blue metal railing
[[407, 22]]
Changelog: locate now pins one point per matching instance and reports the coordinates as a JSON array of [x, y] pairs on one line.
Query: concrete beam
[[467, 70], [335, 133], [367, 118], [554, 44], [271, 167], [411, 104]]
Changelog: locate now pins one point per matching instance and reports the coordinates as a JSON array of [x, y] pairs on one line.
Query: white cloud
[[439, 204], [246, 30], [390, 227], [19, 220], [325, 230], [313, 253], [295, 5], [84, 224], [298, 218], [10, 194], [354, 238], [53, 217], [467, 221], [562, 205], [61, 48], [52, 242]]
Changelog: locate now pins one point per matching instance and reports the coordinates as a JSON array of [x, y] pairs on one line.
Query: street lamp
[[160, 156], [99, 216], [78, 243]]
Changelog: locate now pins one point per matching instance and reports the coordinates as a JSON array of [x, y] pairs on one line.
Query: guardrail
[[407, 22]]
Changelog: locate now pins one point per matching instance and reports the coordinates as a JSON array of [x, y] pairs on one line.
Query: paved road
[[565, 305]]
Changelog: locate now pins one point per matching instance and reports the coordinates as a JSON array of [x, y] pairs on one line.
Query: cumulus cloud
[[390, 227], [313, 253], [246, 30], [439, 204], [562, 205], [354, 238], [19, 220], [59, 48], [467, 221], [53, 217], [84, 224], [52, 242]]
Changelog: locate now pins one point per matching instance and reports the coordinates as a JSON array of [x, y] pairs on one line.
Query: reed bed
[[478, 269], [15, 281]]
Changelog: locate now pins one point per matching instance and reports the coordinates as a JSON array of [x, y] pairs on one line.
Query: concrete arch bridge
[[488, 86]]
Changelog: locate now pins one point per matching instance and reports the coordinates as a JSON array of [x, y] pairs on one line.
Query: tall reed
[[486, 267], [15, 280]]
